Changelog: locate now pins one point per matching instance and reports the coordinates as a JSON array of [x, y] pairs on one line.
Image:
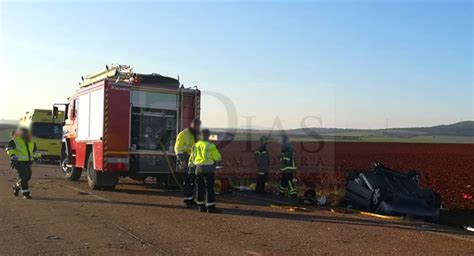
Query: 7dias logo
[[308, 139], [239, 145]]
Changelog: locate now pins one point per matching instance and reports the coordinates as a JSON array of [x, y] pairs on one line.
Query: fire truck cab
[[121, 123]]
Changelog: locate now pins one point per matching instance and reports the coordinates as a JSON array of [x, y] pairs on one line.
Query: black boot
[[16, 190], [26, 196], [213, 209], [202, 208]]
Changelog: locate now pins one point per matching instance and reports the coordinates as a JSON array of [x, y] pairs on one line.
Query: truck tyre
[[99, 180], [68, 172], [91, 173]]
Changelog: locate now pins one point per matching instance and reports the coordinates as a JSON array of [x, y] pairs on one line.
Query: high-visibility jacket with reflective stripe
[[184, 142], [24, 151], [204, 153], [287, 161]]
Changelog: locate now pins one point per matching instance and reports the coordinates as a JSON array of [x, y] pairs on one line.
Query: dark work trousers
[[205, 185], [189, 184], [286, 184], [189, 177], [261, 180], [23, 170]]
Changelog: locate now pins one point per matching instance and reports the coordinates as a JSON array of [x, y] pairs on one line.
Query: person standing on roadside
[[182, 148], [288, 168], [22, 151], [204, 157], [263, 162]]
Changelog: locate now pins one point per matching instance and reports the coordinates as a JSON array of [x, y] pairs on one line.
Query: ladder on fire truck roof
[[120, 72], [197, 104]]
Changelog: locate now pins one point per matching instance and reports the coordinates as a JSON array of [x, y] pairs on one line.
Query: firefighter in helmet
[[263, 161], [288, 168], [184, 142], [22, 151], [204, 157]]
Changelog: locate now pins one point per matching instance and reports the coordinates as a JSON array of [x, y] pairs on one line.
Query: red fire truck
[[121, 123]]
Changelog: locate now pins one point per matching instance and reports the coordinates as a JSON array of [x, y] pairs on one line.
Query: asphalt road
[[67, 218]]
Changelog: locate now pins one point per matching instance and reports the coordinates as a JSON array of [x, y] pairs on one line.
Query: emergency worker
[[22, 151], [204, 158], [263, 162], [287, 168], [182, 148]]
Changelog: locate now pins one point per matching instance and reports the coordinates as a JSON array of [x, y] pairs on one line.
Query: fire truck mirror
[[55, 113]]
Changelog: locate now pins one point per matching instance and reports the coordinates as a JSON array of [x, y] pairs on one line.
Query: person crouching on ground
[[263, 163], [288, 168], [22, 151], [204, 157]]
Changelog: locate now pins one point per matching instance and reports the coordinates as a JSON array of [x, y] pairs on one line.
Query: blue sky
[[352, 63]]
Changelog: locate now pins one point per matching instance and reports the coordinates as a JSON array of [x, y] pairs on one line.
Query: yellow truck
[[46, 131]]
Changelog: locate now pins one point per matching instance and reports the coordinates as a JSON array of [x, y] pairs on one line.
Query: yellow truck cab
[[46, 132]]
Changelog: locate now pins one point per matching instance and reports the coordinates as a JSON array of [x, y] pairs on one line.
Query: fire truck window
[[74, 109], [154, 100]]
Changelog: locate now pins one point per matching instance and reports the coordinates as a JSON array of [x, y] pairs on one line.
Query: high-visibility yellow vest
[[184, 142], [204, 153], [24, 151]]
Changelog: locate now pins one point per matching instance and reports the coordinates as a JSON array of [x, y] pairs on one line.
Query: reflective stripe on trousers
[[292, 187]]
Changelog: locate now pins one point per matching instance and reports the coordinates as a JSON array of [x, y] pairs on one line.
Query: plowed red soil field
[[446, 168]]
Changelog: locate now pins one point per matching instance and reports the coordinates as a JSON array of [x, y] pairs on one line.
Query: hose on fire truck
[[172, 170]]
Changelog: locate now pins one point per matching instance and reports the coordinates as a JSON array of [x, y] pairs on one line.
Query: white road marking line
[[89, 193], [136, 237], [142, 241]]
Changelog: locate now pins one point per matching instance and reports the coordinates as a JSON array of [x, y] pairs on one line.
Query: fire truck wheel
[[69, 172], [91, 174], [100, 180]]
